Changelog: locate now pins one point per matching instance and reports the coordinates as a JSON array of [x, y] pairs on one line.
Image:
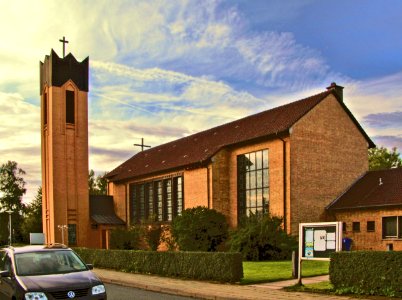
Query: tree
[[33, 216], [261, 237], [97, 185], [199, 229], [382, 158], [12, 188]]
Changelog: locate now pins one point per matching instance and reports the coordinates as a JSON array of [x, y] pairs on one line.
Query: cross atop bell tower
[[64, 41], [64, 137]]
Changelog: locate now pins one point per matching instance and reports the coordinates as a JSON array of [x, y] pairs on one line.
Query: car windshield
[[48, 262]]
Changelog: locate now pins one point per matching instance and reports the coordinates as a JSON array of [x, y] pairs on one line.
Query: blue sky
[[162, 70]]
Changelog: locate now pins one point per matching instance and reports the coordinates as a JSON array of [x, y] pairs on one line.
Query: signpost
[[317, 241]]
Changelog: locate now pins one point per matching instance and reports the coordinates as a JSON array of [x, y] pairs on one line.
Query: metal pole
[[9, 226]]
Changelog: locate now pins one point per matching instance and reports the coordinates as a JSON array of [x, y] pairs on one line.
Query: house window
[[344, 227], [70, 107], [356, 226], [253, 183], [72, 234], [370, 226], [392, 227], [158, 200]]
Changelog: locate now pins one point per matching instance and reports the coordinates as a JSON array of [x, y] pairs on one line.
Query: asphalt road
[[117, 292]]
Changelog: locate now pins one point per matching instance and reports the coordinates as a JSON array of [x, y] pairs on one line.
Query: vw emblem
[[71, 294]]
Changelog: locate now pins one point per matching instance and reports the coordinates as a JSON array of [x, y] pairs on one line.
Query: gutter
[[284, 185]]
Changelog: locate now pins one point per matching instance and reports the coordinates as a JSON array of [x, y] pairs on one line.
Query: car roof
[[37, 248]]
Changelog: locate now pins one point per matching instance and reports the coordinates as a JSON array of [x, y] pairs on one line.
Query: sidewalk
[[208, 290]]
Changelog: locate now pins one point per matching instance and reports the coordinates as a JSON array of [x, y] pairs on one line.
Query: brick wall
[[364, 240], [276, 178], [328, 152]]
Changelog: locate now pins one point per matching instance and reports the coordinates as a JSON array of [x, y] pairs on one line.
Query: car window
[[7, 263], [48, 262], [2, 259]]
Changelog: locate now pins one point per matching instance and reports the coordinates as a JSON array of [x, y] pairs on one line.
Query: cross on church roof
[[142, 145], [64, 41]]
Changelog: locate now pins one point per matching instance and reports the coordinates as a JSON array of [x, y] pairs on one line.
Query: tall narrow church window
[[70, 107], [72, 234], [142, 202], [159, 201], [150, 197], [45, 108], [253, 183], [168, 202], [178, 188]]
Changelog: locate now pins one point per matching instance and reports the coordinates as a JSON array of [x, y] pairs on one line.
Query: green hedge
[[215, 266], [367, 272]]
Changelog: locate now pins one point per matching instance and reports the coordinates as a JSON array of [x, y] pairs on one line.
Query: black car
[[46, 272]]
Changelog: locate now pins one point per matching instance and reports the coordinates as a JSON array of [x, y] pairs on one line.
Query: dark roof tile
[[374, 189], [102, 210]]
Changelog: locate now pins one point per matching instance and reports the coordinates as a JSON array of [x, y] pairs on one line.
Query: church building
[[291, 161]]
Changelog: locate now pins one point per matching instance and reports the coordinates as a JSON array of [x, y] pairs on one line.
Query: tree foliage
[[12, 188], [261, 237], [382, 158], [97, 184], [199, 229], [33, 216]]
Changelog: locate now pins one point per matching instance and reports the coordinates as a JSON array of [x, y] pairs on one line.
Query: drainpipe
[[284, 184]]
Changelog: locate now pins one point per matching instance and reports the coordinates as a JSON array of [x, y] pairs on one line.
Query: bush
[[153, 235], [199, 229], [223, 267], [125, 239], [260, 237], [367, 272]]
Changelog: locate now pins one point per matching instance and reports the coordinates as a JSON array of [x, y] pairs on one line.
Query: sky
[[161, 70]]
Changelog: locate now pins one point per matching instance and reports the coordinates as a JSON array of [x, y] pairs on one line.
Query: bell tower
[[64, 139]]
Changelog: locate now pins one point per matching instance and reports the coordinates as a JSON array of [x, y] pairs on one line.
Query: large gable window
[[392, 227], [159, 200], [253, 183]]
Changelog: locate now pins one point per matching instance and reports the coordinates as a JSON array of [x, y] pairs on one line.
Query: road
[[117, 292]]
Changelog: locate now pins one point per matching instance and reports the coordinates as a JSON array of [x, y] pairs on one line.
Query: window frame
[[370, 228], [398, 227], [165, 195], [253, 183], [356, 227]]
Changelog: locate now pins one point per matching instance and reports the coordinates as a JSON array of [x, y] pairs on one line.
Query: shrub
[[125, 239], [367, 272], [152, 234], [219, 266], [260, 237], [199, 229]]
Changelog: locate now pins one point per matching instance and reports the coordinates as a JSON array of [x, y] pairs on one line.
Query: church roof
[[374, 189], [101, 210], [197, 149]]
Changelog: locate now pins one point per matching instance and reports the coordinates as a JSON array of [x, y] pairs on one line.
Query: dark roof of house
[[373, 189], [197, 149], [101, 210]]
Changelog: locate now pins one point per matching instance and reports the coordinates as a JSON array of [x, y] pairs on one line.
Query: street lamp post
[[62, 228], [9, 225]]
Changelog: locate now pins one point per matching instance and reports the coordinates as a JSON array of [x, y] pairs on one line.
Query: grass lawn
[[267, 271]]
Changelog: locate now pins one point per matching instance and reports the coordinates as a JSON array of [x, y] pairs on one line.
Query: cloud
[[384, 120], [389, 142]]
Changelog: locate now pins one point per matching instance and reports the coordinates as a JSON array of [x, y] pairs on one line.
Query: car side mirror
[[90, 266], [5, 274]]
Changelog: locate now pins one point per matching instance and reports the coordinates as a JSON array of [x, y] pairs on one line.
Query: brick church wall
[[276, 195], [368, 240], [327, 153]]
